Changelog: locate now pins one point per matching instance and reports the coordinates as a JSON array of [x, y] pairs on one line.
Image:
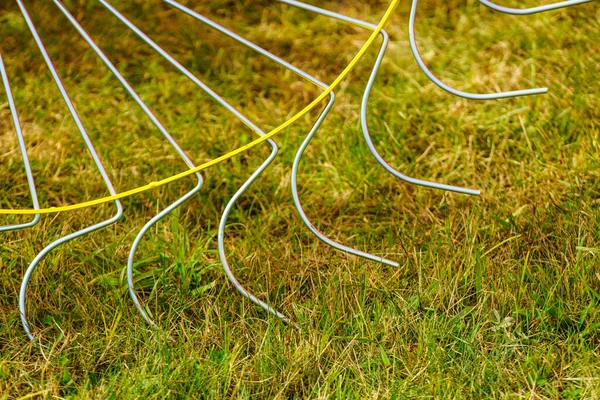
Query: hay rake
[[264, 136]]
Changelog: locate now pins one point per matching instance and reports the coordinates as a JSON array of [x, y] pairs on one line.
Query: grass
[[495, 297]]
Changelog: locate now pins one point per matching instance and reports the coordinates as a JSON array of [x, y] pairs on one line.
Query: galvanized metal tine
[[242, 189], [456, 92], [532, 10], [23, 149], [365, 100], [97, 162], [127, 86], [306, 141], [221, 241]]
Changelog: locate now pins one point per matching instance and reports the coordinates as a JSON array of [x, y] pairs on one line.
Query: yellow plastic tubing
[[229, 155]]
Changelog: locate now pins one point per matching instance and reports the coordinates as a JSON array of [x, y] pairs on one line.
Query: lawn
[[496, 296]]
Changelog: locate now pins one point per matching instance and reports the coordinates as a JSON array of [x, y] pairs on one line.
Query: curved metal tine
[[308, 138], [23, 148], [164, 132], [97, 162], [456, 92], [365, 100], [532, 10], [253, 177]]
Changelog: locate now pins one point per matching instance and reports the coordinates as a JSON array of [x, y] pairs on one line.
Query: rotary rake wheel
[[104, 54]]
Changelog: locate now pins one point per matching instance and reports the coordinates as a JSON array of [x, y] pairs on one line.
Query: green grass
[[495, 297]]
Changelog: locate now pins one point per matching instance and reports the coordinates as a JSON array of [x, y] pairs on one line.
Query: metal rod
[[532, 10], [456, 92], [24, 156], [97, 162]]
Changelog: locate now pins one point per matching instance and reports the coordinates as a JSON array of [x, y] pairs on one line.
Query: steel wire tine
[[253, 177], [532, 10], [308, 138], [97, 162], [24, 156], [365, 100], [163, 213], [456, 92]]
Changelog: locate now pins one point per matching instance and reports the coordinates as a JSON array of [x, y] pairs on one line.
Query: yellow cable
[[227, 156]]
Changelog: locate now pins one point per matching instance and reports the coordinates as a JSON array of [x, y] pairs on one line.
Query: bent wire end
[[46, 250], [221, 239], [138, 239], [300, 152], [368, 139], [23, 149], [532, 10], [97, 162], [456, 92], [365, 100], [127, 86], [298, 204]]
